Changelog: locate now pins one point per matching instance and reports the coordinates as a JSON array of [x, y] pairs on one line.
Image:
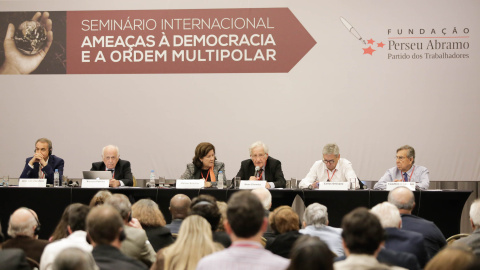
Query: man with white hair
[[121, 170], [396, 239], [331, 169], [315, 223], [261, 166], [473, 240], [404, 199], [266, 199], [24, 227]]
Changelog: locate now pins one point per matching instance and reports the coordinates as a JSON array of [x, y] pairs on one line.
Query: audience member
[[473, 240], [206, 206], [105, 231], [362, 240], [245, 224], [222, 207], [457, 257], [24, 228], [194, 242], [315, 223], [310, 253], [121, 169], [179, 207], [13, 259], [153, 222], [404, 199], [77, 236], [285, 224], [136, 244], [100, 197], [397, 239], [73, 258], [266, 199]]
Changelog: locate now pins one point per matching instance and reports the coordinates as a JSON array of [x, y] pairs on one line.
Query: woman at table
[[204, 165]]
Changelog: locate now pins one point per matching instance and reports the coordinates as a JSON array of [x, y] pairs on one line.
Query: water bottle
[[56, 178], [220, 180], [152, 179]]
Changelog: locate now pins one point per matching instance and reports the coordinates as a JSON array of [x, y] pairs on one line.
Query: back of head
[[283, 219], [264, 196], [402, 197], [121, 203], [222, 207], [388, 215], [100, 198], [475, 213], [104, 224], [310, 253], [362, 231], [451, 257], [316, 214], [179, 206], [77, 216], [245, 214], [206, 206], [147, 213], [74, 259], [22, 222]]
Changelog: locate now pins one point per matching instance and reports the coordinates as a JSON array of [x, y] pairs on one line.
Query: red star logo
[[368, 50], [370, 41], [380, 44]]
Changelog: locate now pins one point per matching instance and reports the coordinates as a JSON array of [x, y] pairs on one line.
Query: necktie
[[261, 173], [405, 177]]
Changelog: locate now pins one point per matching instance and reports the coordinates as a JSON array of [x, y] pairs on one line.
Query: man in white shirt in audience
[[331, 169]]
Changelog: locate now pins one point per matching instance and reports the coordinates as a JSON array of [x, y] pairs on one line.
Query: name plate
[[32, 182], [190, 183], [246, 184], [393, 185], [333, 185], [95, 183]]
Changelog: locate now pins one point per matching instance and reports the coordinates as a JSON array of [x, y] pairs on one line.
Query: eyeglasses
[[258, 156], [328, 161]]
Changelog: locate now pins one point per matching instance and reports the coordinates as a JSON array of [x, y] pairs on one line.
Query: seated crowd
[[114, 234]]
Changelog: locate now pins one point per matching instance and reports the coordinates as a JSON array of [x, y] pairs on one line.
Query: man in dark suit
[[105, 230], [13, 259], [121, 170], [179, 207], [269, 169], [404, 199], [397, 239], [43, 164]]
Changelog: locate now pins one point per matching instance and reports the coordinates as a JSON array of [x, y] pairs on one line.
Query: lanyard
[[328, 172], [410, 178], [207, 175]]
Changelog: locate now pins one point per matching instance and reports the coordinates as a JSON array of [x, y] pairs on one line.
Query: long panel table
[[442, 207]]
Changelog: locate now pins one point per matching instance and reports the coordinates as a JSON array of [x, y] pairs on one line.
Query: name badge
[[190, 183], [95, 183], [32, 182], [333, 185], [393, 185], [246, 184]]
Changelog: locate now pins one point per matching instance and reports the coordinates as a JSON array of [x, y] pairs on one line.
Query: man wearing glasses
[[261, 166], [405, 171], [331, 169]]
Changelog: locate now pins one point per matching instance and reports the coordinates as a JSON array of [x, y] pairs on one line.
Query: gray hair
[[121, 203], [411, 151], [74, 259], [331, 149], [265, 197], [388, 214], [402, 202], [316, 214], [110, 146], [25, 228], [258, 144], [475, 212]]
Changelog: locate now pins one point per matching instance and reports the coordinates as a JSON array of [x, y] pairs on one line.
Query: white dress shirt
[[77, 239], [319, 172]]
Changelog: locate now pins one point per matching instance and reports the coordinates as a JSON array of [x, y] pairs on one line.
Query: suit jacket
[[33, 248], [159, 237], [13, 259], [193, 172], [273, 171], [110, 258], [434, 239], [123, 171], [54, 162], [407, 241], [283, 243], [473, 241], [137, 246]]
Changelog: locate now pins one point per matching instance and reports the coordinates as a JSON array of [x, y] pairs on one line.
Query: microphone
[[257, 169]]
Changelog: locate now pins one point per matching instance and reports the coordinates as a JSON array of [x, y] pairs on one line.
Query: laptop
[[97, 174]]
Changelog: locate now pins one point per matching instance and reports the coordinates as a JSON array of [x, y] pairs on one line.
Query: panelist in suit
[[270, 169], [405, 171], [204, 165], [43, 163], [121, 170]]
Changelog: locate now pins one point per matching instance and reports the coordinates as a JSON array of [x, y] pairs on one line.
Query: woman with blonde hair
[[194, 242]]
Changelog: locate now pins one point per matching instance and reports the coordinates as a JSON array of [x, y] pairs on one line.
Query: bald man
[[404, 199], [179, 207], [121, 170], [23, 227]]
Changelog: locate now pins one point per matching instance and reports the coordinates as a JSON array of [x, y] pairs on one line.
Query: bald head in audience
[[179, 206], [403, 198], [265, 197], [23, 223]]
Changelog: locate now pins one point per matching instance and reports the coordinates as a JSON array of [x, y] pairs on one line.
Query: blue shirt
[[419, 175]]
